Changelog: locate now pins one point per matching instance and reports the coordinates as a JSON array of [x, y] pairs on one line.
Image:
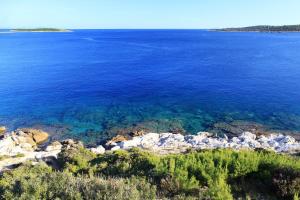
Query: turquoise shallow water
[[89, 83]]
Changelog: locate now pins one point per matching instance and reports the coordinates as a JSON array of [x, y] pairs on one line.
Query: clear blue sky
[[146, 13]]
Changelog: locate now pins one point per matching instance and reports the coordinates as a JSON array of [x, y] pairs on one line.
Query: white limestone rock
[[247, 136], [20, 143], [54, 146], [115, 148], [135, 142], [286, 140], [170, 140], [149, 141], [170, 143], [199, 139], [98, 150]]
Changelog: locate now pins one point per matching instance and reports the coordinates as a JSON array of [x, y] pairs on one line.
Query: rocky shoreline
[[166, 143], [25, 144]]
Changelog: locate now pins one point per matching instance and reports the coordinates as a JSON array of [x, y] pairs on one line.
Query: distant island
[[264, 28], [40, 30]]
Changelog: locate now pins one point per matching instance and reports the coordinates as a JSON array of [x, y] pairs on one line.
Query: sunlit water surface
[[89, 82]]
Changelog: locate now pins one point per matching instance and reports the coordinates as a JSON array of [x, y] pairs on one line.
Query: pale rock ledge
[[165, 143]]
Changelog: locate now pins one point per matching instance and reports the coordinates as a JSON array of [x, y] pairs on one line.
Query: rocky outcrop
[[98, 150], [54, 146], [38, 136], [70, 144], [24, 144], [165, 143], [115, 140], [2, 129], [143, 127]]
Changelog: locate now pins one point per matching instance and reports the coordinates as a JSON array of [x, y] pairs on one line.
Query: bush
[[286, 182], [126, 163], [76, 159], [208, 174], [40, 182], [219, 189], [189, 174]]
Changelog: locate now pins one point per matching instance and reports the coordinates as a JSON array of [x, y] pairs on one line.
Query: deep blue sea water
[[87, 82]]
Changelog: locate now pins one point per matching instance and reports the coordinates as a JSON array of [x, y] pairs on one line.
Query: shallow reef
[[95, 124]]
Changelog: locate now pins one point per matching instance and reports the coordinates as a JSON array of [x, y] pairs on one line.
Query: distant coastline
[[40, 30], [263, 28]]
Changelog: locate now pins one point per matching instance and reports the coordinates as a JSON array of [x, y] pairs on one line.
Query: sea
[[92, 84]]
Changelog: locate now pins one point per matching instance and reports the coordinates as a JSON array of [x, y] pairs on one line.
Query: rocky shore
[[22, 145], [166, 143]]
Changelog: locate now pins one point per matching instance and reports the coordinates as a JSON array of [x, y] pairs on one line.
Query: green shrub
[[40, 182], [188, 174], [126, 163], [19, 155], [286, 182], [76, 159], [24, 182], [209, 174], [219, 189], [296, 196]]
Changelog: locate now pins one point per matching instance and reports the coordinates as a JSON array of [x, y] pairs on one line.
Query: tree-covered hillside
[[265, 28], [40, 30]]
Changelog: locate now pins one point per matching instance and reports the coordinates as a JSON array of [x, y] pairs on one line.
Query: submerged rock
[[235, 128], [148, 126]]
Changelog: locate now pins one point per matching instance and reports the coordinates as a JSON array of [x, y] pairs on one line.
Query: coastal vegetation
[[265, 28], [40, 30], [136, 174]]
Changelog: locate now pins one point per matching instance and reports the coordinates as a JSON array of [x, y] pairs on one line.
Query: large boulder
[[2, 129], [54, 146], [22, 139], [70, 144], [38, 136], [98, 150]]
